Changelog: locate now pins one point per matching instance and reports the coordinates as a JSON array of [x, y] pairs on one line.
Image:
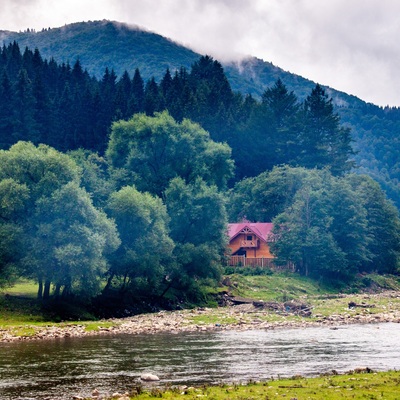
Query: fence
[[244, 261]]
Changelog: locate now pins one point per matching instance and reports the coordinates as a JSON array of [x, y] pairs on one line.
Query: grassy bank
[[362, 385], [23, 315], [287, 286]]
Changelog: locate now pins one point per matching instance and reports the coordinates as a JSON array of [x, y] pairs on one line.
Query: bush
[[248, 271]]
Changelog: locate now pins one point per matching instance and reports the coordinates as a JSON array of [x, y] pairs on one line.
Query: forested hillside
[[64, 107], [116, 191], [102, 44]]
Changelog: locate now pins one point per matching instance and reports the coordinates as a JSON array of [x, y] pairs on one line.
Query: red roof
[[263, 230]]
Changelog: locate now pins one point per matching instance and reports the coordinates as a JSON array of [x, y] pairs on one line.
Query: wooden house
[[249, 243]]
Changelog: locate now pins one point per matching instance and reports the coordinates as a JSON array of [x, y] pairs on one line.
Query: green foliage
[[70, 240], [50, 229], [263, 197], [329, 227], [324, 143], [95, 176], [198, 226], [41, 169], [157, 149], [383, 225], [146, 248], [11, 236], [102, 44], [13, 199], [249, 271]]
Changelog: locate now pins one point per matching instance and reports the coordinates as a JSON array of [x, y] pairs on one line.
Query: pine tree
[[25, 127], [6, 112], [64, 137], [14, 59], [324, 142], [136, 102], [282, 108], [214, 99], [43, 110], [181, 99], [122, 97], [166, 88], [152, 98]]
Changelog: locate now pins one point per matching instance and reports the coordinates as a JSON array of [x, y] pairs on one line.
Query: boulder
[[149, 377]]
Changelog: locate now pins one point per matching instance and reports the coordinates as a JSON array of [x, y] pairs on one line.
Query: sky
[[349, 45]]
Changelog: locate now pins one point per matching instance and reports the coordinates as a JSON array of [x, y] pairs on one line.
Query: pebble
[[246, 315]]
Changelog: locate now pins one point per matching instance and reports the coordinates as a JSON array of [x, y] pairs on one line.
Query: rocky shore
[[245, 316]]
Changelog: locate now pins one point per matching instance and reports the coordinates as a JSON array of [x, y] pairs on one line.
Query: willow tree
[[145, 253], [62, 239], [154, 150]]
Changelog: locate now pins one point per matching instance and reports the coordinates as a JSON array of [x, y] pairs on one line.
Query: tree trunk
[[66, 291], [109, 280], [57, 290], [46, 291], [40, 289], [167, 288], [123, 287]]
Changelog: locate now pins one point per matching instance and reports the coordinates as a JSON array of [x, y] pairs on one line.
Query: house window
[[249, 237]]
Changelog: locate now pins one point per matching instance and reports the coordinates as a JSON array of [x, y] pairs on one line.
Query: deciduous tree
[[155, 150], [146, 248]]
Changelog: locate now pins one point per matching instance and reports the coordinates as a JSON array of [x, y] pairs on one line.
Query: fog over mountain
[[351, 46]]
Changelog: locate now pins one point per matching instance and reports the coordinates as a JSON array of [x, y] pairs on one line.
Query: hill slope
[[101, 44], [104, 44]]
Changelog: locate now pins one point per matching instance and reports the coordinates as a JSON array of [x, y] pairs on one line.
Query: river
[[66, 367]]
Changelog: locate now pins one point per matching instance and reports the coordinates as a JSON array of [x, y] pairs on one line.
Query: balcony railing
[[244, 261], [249, 243], [263, 262]]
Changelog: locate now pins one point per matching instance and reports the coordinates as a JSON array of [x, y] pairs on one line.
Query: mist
[[350, 46]]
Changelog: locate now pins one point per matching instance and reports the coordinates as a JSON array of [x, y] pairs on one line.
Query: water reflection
[[62, 368]]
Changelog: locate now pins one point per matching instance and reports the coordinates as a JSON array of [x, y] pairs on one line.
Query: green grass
[[23, 287], [276, 287], [21, 311], [16, 310], [19, 308], [97, 325], [215, 318], [354, 386]]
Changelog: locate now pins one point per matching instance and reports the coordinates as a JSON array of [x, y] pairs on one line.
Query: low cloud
[[349, 45]]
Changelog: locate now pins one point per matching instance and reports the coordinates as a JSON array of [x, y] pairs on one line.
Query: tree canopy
[[125, 185], [62, 238], [328, 227], [155, 150]]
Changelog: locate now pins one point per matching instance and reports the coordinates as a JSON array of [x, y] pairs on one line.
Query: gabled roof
[[263, 230]]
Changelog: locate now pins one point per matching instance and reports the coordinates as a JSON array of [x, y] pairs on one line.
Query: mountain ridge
[[257, 74]]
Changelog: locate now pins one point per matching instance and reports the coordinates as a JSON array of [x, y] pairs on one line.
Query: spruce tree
[[24, 104], [136, 102], [6, 112], [324, 143]]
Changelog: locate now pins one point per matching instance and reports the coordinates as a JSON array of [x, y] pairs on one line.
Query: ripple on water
[[72, 366]]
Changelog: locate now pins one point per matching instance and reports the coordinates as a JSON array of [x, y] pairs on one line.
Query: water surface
[[65, 367]]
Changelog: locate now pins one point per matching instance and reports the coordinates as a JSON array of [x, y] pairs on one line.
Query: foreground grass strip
[[382, 385]]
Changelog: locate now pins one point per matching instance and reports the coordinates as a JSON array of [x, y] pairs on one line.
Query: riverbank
[[359, 384], [328, 310]]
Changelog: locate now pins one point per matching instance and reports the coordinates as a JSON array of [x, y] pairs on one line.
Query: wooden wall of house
[[262, 250]]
